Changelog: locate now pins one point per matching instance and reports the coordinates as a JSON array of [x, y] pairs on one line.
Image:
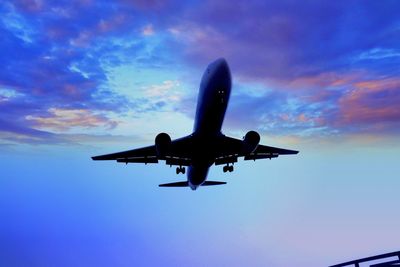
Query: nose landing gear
[[228, 168], [180, 169]]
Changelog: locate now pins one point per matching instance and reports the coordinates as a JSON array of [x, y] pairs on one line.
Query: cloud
[[167, 91], [313, 59], [277, 113], [378, 53], [372, 105], [16, 133], [62, 120], [32, 6], [341, 105], [311, 62], [55, 65], [148, 30]]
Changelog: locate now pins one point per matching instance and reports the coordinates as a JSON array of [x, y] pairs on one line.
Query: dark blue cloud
[[53, 56], [317, 51], [284, 40], [56, 54]]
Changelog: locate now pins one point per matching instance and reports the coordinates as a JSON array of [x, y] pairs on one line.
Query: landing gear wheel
[[180, 170], [228, 168]]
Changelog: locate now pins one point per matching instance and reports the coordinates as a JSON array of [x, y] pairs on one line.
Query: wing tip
[[98, 158]]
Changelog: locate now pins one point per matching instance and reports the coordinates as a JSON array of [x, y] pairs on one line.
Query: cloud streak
[[64, 119], [321, 69]]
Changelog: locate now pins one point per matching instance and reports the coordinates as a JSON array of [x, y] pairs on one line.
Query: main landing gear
[[228, 168], [180, 170]]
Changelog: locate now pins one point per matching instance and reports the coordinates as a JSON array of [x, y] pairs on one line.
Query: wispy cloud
[[62, 120], [319, 68], [148, 30]]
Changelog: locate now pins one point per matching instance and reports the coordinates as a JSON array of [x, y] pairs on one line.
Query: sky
[[83, 78]]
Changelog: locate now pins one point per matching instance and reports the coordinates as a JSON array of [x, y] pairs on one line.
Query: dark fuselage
[[206, 145], [215, 89]]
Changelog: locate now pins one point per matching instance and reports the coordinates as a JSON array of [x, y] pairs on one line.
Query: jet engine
[[163, 144], [250, 142]]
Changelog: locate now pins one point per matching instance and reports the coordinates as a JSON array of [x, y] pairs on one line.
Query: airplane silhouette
[[206, 145]]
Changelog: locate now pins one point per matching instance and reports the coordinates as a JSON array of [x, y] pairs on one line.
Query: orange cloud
[[148, 30], [373, 101], [66, 119], [325, 79], [302, 118]]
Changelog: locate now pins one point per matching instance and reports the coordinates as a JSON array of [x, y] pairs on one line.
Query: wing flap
[[179, 154], [275, 150], [149, 151], [261, 156], [178, 161], [226, 160], [231, 148]]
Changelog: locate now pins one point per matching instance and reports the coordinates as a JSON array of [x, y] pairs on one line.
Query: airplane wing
[[230, 149], [178, 154]]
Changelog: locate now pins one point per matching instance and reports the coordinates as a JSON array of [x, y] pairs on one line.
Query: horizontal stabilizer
[[212, 183], [176, 184], [185, 184]]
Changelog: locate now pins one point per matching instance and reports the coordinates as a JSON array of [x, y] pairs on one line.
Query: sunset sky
[[82, 78]]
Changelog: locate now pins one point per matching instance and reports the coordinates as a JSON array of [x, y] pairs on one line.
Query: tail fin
[[176, 184]]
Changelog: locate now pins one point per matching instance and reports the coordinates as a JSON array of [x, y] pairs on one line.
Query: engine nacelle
[[250, 142], [163, 144]]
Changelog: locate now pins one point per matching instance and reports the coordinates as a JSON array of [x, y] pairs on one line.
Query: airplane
[[207, 145]]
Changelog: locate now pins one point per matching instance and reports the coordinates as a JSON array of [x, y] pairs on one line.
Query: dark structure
[[385, 260], [206, 145]]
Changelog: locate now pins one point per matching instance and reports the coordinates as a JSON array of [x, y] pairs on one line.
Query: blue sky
[[81, 78]]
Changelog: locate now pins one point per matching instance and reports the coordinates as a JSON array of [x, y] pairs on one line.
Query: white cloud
[[6, 94], [379, 53], [165, 91]]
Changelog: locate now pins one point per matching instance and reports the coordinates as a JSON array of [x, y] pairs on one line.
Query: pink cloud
[[147, 4], [102, 27], [62, 120], [29, 5], [325, 79], [373, 102], [107, 25]]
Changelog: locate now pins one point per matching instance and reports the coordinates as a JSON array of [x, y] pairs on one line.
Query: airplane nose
[[219, 74], [222, 67], [218, 63], [221, 63]]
